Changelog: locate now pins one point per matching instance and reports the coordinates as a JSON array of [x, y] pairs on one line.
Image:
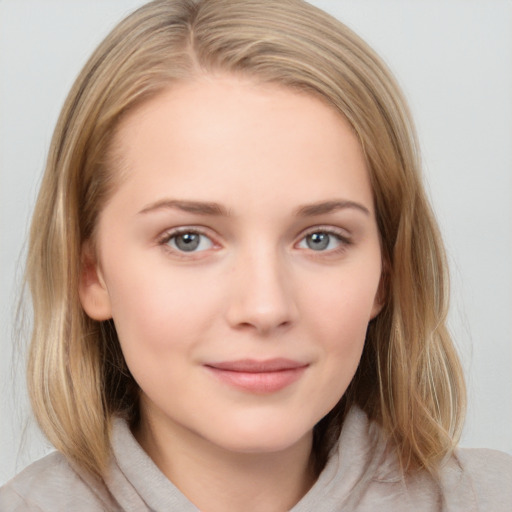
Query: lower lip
[[259, 382]]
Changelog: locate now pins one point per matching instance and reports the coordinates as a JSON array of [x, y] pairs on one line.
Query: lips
[[268, 376]]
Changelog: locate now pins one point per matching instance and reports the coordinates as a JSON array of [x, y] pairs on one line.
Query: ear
[[382, 292], [92, 290]]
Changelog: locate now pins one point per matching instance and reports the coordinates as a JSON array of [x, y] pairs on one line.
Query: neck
[[215, 479]]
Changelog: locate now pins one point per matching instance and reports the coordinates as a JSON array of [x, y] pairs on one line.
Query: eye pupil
[[317, 241], [187, 241]]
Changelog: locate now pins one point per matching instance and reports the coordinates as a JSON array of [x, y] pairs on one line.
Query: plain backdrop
[[453, 59]]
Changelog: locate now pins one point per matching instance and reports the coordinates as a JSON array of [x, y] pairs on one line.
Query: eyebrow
[[215, 209], [324, 207], [197, 207]]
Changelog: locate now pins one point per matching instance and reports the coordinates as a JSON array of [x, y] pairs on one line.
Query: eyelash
[[340, 235], [168, 236]]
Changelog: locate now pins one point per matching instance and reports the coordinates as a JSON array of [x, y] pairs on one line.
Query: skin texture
[[257, 286]]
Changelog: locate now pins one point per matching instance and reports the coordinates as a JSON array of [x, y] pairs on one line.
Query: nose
[[262, 297]]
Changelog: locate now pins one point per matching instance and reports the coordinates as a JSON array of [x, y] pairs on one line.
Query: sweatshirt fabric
[[361, 475]]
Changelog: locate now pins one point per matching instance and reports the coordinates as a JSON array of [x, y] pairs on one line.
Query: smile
[[254, 376]]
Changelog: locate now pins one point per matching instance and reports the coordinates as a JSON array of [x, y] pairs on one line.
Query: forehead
[[223, 138]]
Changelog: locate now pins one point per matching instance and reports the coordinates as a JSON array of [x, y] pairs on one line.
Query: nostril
[[263, 325]]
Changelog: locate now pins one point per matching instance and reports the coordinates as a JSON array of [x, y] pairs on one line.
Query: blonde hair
[[409, 379]]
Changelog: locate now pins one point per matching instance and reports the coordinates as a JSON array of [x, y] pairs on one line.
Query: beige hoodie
[[360, 476]]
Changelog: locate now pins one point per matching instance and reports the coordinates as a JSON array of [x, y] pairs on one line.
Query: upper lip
[[257, 366]]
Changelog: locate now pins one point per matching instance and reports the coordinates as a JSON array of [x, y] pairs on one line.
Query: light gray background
[[454, 61]]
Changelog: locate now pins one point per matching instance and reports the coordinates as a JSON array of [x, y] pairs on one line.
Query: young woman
[[239, 287]]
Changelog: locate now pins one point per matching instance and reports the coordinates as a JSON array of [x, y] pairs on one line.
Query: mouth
[[268, 376]]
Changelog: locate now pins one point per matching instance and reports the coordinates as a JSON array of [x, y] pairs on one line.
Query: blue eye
[[189, 241], [321, 241]]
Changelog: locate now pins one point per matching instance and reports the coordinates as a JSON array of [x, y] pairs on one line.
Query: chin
[[264, 440]]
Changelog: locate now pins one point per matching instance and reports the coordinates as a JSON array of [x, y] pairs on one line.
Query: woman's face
[[239, 259]]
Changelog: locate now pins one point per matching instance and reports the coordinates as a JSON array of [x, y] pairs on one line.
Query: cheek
[[155, 313], [340, 313], [343, 306], [343, 334], [160, 325]]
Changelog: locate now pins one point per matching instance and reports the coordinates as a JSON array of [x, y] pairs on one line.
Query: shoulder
[[51, 484], [471, 480], [490, 476]]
